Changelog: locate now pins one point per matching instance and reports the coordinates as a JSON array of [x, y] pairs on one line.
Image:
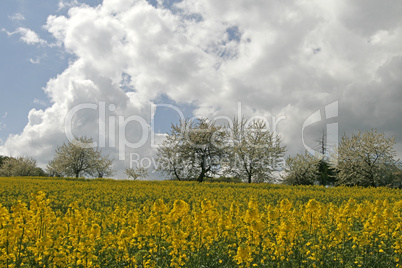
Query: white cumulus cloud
[[27, 36], [283, 60]]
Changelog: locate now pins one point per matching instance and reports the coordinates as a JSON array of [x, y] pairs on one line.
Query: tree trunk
[[250, 173], [177, 175], [203, 169], [201, 177]]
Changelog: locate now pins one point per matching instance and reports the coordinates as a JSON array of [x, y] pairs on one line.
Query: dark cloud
[[279, 59]]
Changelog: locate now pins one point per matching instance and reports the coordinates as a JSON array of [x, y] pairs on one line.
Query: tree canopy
[[78, 158], [255, 152], [366, 159], [136, 173], [193, 150], [302, 169], [20, 166]]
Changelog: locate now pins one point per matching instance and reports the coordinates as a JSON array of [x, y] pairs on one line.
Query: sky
[[122, 71]]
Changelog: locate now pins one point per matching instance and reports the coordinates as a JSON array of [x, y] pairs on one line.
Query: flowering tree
[[135, 173], [366, 159], [79, 158], [255, 152], [193, 150], [20, 166], [301, 170]]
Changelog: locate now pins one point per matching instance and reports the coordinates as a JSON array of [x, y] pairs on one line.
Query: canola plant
[[47, 222]]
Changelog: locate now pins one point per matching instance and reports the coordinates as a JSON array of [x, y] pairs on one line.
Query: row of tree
[[249, 151], [20, 166], [74, 159], [245, 150], [364, 159], [195, 150]]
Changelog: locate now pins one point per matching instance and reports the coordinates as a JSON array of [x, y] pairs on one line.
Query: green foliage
[[327, 173], [2, 159], [397, 179], [308, 170]]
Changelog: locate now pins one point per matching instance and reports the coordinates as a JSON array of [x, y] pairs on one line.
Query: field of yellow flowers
[[47, 222]]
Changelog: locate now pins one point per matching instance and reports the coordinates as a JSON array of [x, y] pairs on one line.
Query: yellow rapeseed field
[[46, 222]]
